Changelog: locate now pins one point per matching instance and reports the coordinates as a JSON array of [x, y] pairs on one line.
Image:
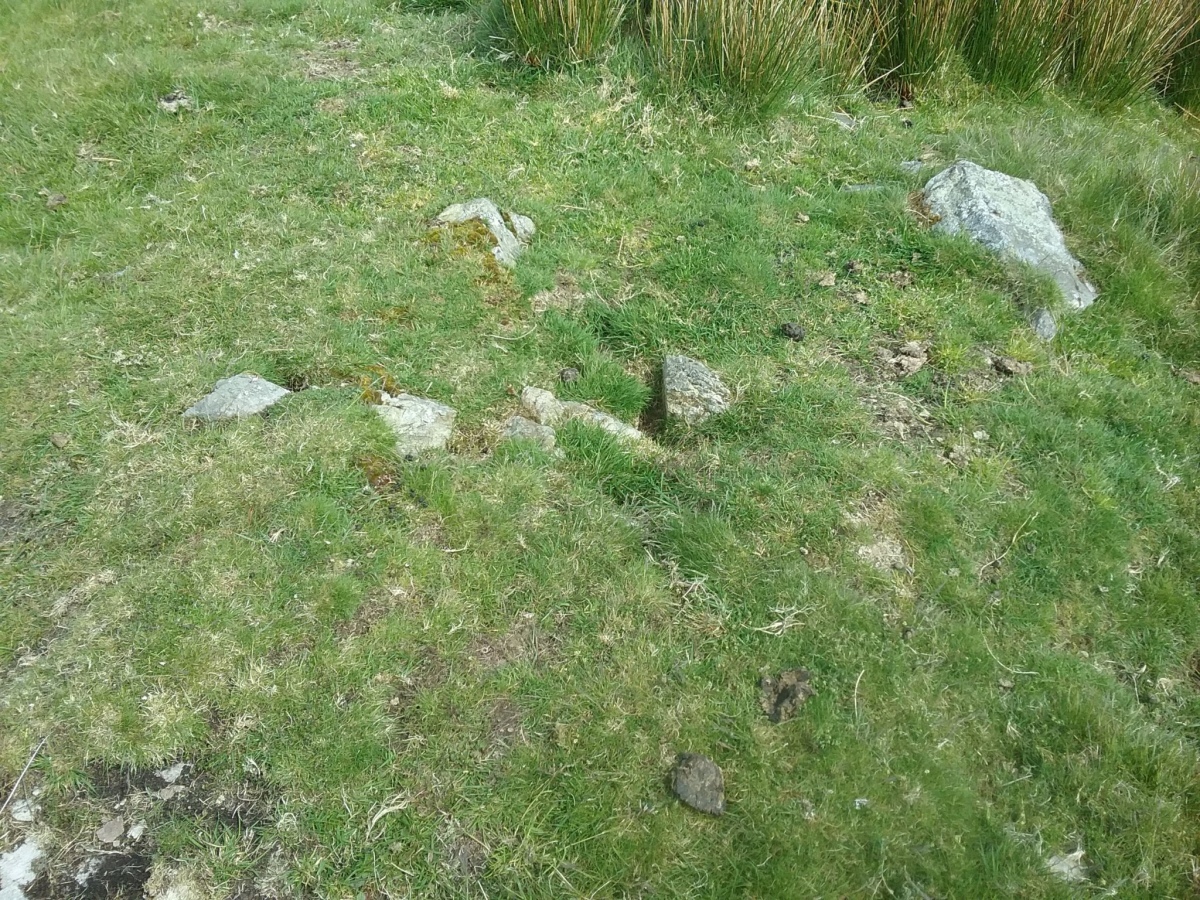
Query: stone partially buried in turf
[[419, 424], [783, 696], [1010, 217], [698, 782], [519, 428], [510, 241], [692, 391], [238, 397]]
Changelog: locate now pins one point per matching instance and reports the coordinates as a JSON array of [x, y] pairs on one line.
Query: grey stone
[[568, 375], [912, 166], [510, 244], [1011, 217], [19, 868], [698, 782], [23, 811], [692, 390], [1044, 325], [544, 408], [418, 423], [522, 227], [238, 397], [110, 832], [522, 429]]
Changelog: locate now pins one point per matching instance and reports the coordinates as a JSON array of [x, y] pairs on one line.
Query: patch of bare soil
[[14, 521], [332, 61], [899, 416], [506, 727], [564, 295], [782, 696], [467, 857], [524, 641]]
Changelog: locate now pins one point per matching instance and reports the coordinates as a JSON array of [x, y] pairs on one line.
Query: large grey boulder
[[1011, 217], [418, 423], [544, 408], [511, 234], [238, 397], [692, 390]]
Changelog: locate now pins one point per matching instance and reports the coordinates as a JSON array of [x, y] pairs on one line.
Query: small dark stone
[[907, 123], [783, 696], [792, 331], [1006, 365], [698, 782], [566, 376]]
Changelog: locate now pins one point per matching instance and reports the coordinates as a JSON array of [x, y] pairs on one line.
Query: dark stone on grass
[[792, 331], [568, 375], [238, 397], [692, 390], [783, 696], [698, 782], [1010, 217], [1006, 365]]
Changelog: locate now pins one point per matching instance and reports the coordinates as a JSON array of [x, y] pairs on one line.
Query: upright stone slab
[[238, 397], [419, 424], [1011, 217], [692, 390]]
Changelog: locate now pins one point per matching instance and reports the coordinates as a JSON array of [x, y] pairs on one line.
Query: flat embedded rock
[[1012, 218], [237, 397], [19, 869], [418, 423], [698, 782], [511, 233], [519, 428], [692, 390], [544, 408]]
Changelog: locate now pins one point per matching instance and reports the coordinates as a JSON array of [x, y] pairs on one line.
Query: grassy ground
[[469, 675]]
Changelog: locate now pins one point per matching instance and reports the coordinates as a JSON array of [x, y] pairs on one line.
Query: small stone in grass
[[698, 782], [792, 331], [566, 376], [60, 440], [1006, 365], [110, 832]]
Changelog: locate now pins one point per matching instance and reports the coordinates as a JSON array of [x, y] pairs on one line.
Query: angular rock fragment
[[692, 391], [544, 408], [698, 782], [419, 424], [1011, 217], [522, 429], [237, 397], [510, 242]]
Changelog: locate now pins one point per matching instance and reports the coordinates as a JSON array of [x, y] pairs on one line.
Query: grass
[[403, 668]]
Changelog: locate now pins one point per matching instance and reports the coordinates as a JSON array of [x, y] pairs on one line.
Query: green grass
[[243, 598]]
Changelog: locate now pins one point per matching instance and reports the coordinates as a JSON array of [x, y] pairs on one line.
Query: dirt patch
[[107, 876], [15, 518], [524, 641], [506, 727], [467, 857], [899, 416], [332, 61], [564, 295], [781, 697], [886, 554], [332, 106]]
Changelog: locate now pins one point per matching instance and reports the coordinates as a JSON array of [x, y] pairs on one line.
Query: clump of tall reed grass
[[754, 49], [556, 32], [1120, 48]]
